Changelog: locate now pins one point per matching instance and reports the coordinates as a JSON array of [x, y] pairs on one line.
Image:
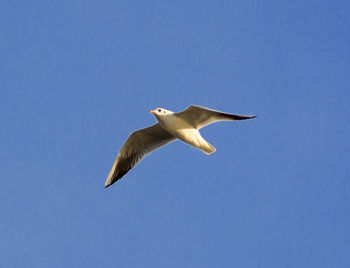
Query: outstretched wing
[[139, 143], [199, 117]]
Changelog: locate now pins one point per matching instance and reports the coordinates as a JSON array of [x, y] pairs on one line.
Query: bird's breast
[[180, 129]]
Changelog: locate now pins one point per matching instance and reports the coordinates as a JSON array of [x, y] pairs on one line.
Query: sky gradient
[[77, 77]]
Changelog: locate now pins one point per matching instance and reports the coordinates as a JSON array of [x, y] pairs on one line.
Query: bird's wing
[[199, 117], [139, 143]]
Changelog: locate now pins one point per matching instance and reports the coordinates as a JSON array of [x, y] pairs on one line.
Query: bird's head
[[160, 112]]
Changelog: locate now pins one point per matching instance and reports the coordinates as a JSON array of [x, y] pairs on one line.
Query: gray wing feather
[[138, 144], [199, 117]]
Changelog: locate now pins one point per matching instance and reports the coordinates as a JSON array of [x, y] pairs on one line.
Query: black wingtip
[[242, 117], [250, 117]]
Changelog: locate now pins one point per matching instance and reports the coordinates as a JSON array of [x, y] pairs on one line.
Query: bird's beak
[[152, 111]]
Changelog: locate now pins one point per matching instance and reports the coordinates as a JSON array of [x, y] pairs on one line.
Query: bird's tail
[[207, 148]]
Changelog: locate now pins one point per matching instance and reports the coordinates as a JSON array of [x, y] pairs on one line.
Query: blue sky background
[[77, 77]]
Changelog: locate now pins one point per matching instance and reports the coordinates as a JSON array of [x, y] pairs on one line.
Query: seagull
[[184, 125]]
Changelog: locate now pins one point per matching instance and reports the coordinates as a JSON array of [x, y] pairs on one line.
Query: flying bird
[[171, 126]]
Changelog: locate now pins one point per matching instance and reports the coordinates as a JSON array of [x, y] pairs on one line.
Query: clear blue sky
[[77, 77]]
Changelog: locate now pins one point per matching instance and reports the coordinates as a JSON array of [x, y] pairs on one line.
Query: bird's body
[[184, 125], [182, 130]]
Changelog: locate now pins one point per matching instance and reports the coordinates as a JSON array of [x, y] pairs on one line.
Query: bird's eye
[[159, 110]]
